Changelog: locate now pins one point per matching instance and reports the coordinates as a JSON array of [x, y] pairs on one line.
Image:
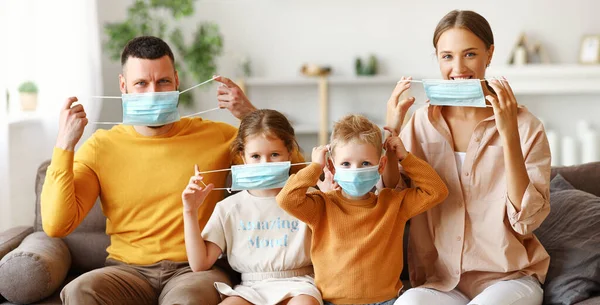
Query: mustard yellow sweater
[[357, 244], [139, 180]]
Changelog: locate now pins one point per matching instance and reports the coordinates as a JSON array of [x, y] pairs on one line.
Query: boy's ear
[[382, 163]]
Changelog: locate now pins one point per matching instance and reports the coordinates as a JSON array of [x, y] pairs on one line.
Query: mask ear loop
[[228, 189]]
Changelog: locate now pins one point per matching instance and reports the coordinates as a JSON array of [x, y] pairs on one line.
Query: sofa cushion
[[35, 269], [88, 242], [571, 235], [585, 177]]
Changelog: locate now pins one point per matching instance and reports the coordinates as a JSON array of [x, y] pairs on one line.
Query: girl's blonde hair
[[266, 122]]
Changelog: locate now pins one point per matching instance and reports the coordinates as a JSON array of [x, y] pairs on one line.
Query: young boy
[[357, 236]]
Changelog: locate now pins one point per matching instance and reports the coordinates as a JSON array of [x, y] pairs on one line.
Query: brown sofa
[[44, 265]]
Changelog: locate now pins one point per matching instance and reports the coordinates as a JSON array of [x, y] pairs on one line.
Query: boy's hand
[[319, 155], [193, 196], [394, 145], [328, 184]]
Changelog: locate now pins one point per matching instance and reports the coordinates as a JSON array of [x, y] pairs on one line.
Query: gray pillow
[[35, 269], [571, 235]]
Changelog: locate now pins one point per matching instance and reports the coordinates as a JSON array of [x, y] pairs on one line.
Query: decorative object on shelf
[[315, 70], [28, 92], [147, 17], [526, 52], [590, 50], [368, 69]]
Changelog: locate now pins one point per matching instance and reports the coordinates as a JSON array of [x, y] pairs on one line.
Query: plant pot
[[28, 101]]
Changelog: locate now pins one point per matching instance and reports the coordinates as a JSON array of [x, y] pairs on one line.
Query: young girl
[[266, 245]]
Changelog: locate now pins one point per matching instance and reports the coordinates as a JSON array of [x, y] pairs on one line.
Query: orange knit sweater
[[357, 244]]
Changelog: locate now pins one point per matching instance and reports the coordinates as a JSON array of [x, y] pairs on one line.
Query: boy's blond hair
[[356, 128]]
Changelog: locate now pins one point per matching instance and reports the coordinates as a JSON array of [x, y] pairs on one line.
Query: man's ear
[[382, 163], [122, 84]]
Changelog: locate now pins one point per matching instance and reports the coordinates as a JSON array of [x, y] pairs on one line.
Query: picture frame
[[590, 50]]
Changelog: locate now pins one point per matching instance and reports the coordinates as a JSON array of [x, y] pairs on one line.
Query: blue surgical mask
[[150, 108], [357, 181], [260, 176], [465, 93]]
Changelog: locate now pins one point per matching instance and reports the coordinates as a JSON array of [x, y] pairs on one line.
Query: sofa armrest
[[35, 269], [12, 238]]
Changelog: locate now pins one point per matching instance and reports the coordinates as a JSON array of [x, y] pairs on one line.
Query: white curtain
[[57, 45]]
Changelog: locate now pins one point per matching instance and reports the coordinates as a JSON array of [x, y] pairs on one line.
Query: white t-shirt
[[257, 235]]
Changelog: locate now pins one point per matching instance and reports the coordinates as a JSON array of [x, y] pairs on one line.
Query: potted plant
[[28, 95], [197, 56]]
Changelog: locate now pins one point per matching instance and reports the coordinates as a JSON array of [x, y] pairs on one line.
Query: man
[[139, 172]]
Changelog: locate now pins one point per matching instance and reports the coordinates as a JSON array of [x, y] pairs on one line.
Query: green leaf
[[178, 8]]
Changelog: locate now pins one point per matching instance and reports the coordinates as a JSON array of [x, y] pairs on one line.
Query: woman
[[478, 246]]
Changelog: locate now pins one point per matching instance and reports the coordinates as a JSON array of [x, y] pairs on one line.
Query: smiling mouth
[[461, 77]]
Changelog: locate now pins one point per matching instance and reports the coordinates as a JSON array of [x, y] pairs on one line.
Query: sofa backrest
[[585, 177], [88, 242]]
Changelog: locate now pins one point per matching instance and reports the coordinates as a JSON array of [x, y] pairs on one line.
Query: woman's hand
[[193, 196], [396, 108], [505, 107]]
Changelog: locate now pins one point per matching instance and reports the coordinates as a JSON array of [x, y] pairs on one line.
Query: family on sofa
[[470, 171]]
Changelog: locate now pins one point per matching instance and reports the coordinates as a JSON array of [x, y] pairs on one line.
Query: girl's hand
[[505, 107], [319, 155], [394, 145], [396, 109], [193, 196]]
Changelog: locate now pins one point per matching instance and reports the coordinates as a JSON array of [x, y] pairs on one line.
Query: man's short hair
[[146, 47], [356, 128]]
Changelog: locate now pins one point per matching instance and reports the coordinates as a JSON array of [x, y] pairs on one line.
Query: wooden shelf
[[525, 80], [550, 79], [529, 79]]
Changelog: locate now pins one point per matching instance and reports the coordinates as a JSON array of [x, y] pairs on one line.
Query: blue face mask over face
[[150, 108], [260, 176], [356, 182], [465, 93]]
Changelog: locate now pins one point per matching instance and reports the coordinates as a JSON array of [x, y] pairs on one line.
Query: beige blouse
[[476, 237]]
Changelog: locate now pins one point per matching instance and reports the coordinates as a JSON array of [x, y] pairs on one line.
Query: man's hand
[[72, 122], [231, 96]]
